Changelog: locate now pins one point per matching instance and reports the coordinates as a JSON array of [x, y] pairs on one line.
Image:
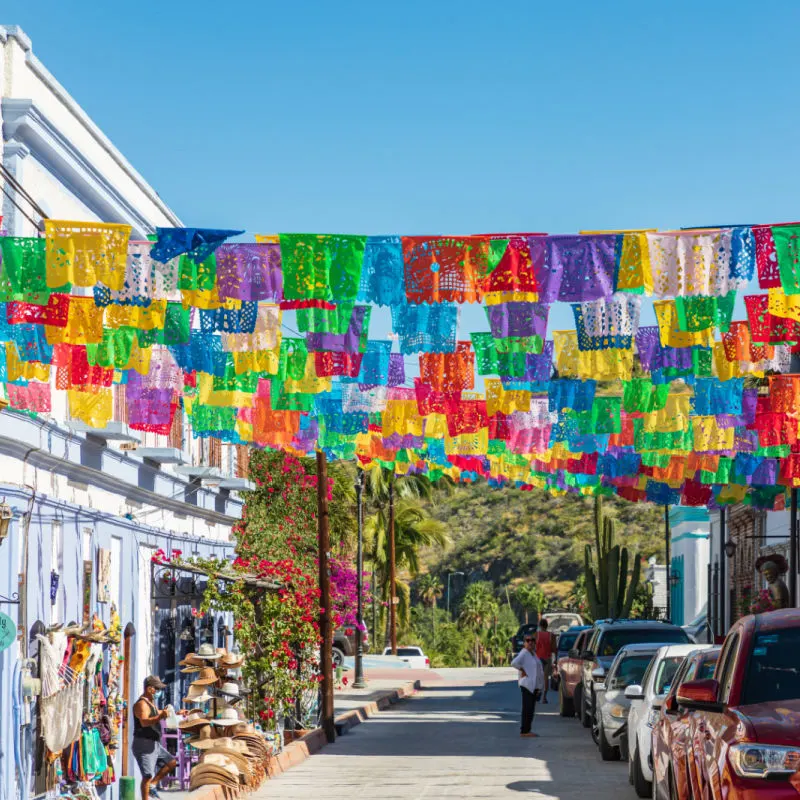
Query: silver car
[[628, 668]]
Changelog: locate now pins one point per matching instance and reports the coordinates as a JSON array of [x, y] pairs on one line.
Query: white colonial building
[[83, 496]]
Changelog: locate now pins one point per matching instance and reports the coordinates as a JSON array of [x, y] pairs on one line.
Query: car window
[[648, 672], [773, 672], [567, 640], [593, 641], [409, 651], [666, 673], [707, 668], [726, 665], [629, 671], [685, 670], [615, 640], [580, 644]]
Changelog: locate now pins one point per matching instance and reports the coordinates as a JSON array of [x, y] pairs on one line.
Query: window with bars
[[176, 431], [242, 461], [214, 453]]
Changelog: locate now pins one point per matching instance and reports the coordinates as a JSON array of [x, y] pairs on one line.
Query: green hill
[[508, 536]]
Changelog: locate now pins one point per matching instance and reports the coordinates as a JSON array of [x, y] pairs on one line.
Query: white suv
[[646, 701], [413, 656]]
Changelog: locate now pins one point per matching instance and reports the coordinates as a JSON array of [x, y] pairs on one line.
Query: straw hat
[[231, 661], [205, 677], [211, 757], [205, 741], [194, 720], [207, 652], [197, 694], [223, 761], [228, 718], [213, 775], [242, 729], [231, 689], [191, 663]]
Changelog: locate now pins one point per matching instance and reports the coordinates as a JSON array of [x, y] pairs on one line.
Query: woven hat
[[231, 689], [213, 775], [240, 759], [204, 742], [197, 694], [228, 717], [243, 729], [207, 652], [224, 761], [194, 720], [231, 661], [192, 662], [205, 677]]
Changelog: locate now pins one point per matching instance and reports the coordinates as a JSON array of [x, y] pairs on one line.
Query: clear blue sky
[[440, 116]]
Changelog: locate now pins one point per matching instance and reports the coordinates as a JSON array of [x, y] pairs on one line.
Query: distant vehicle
[[612, 699], [699, 630], [744, 731], [413, 656], [558, 621], [344, 644], [670, 738], [518, 639], [566, 642], [569, 669], [608, 638], [646, 701]]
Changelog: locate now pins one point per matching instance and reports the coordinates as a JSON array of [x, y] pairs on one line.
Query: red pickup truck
[[569, 675], [744, 729]]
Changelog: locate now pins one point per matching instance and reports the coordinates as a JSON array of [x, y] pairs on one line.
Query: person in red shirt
[[545, 652]]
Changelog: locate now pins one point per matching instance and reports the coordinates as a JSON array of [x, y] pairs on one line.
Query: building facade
[[689, 547], [91, 508]]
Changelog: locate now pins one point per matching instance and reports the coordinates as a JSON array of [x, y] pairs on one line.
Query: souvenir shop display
[[81, 707], [217, 744]]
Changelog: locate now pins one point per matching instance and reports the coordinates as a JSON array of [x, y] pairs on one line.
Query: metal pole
[[392, 579], [448, 594], [359, 682], [668, 561], [723, 583], [325, 617], [127, 676], [793, 552]]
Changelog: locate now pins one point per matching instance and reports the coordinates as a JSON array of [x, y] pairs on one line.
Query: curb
[[296, 752]]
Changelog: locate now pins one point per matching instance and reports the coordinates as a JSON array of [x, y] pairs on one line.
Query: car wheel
[[586, 712], [607, 751], [338, 657], [642, 787], [566, 707]]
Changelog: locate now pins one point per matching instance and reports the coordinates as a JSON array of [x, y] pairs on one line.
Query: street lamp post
[[359, 682], [448, 589]]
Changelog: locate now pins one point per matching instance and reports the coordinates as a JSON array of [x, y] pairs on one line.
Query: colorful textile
[[574, 269], [424, 328], [383, 273], [321, 267], [249, 272], [445, 269], [197, 243]]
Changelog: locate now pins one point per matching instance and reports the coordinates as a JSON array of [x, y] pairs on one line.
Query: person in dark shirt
[[154, 760]]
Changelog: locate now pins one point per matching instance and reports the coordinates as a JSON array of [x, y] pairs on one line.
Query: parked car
[[646, 701], [568, 668], [699, 630], [344, 644], [670, 737], [558, 621], [518, 639], [613, 704], [745, 729], [413, 656], [608, 637]]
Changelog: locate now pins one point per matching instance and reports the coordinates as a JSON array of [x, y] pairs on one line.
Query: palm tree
[[478, 609], [430, 590], [531, 598], [414, 529]]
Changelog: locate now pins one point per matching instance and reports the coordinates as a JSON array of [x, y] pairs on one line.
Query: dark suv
[[608, 637], [519, 638]]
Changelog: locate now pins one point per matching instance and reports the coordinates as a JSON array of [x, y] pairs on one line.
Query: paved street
[[459, 737]]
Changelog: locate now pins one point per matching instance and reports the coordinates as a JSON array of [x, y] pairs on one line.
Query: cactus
[[608, 589]]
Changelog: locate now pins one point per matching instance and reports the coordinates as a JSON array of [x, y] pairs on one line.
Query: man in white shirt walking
[[531, 682]]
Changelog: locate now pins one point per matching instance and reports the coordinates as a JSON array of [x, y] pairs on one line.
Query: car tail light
[[348, 632], [427, 662], [763, 760]]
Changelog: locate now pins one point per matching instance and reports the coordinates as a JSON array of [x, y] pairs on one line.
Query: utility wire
[[18, 186], [21, 210]]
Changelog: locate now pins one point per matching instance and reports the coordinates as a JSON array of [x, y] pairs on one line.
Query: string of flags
[[700, 409]]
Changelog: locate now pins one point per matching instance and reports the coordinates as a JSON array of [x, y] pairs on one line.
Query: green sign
[[8, 631]]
